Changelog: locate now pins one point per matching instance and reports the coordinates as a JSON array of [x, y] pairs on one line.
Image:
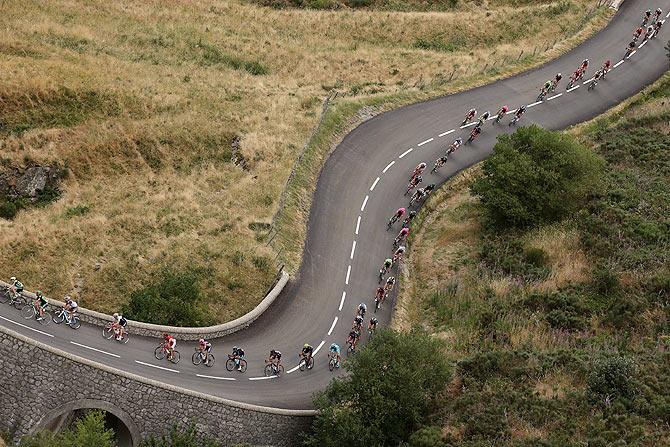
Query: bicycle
[[61, 315], [231, 364], [392, 221], [201, 356], [272, 369], [332, 361], [593, 84], [112, 330], [438, 164], [30, 311], [378, 302], [305, 364], [351, 347], [515, 120], [162, 352], [412, 184], [543, 94], [13, 298]]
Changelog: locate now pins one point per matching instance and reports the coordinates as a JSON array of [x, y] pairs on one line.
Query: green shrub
[[505, 254], [8, 210], [612, 378], [393, 382], [78, 210], [175, 300], [535, 176], [87, 431], [179, 437], [562, 310], [430, 436]]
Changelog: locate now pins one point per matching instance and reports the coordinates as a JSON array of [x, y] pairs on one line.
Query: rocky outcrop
[[30, 182]]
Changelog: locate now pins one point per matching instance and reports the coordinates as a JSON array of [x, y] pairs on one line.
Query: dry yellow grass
[[181, 76]]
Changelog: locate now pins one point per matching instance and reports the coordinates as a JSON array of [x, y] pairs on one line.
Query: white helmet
[[116, 315], [13, 278]]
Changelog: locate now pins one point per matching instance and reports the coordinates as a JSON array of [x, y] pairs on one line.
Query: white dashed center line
[[332, 326], [353, 250], [374, 184], [554, 97], [406, 152], [468, 125], [365, 202], [573, 88], [95, 349], [618, 63], [262, 378], [426, 141], [446, 133], [215, 377], [358, 225], [344, 295], [157, 367], [533, 104], [388, 166], [27, 327], [319, 347], [346, 281]]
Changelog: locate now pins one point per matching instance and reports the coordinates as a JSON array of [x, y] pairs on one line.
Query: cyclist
[[398, 214], [517, 115], [439, 163], [648, 33], [352, 339], [170, 343], [545, 89], [646, 17], [400, 251], [335, 351], [205, 348], [372, 325], [120, 324], [428, 189], [15, 287], [585, 65], [70, 306], [274, 359], [638, 32], [358, 323], [237, 355], [388, 263], [556, 80], [419, 169], [596, 78], [307, 352], [409, 218], [390, 282], [418, 195], [657, 15], [40, 304], [455, 145], [607, 66], [362, 308], [483, 118], [474, 134], [413, 183], [404, 232], [657, 27], [629, 49], [379, 295], [469, 116], [501, 113]]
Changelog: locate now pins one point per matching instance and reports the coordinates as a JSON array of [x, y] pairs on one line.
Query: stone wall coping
[[182, 333], [151, 382]]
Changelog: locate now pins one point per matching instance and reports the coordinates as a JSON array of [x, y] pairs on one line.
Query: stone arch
[[93, 404]]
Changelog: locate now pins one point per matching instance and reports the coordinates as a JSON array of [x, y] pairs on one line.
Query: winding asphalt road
[[361, 185]]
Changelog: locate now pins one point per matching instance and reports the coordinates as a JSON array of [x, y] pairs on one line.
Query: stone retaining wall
[[182, 333], [38, 380]]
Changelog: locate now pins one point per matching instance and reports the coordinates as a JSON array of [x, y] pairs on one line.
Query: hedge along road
[[361, 185]]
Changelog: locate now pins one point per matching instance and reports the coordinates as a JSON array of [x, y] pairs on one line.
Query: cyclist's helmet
[[647, 12], [67, 298], [306, 345], [585, 62], [608, 63], [12, 279], [201, 341], [38, 294], [412, 214], [374, 320], [459, 140], [422, 165], [659, 11], [419, 178], [333, 347], [559, 76], [115, 315], [165, 336]]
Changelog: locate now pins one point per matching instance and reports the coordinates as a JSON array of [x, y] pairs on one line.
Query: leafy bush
[[179, 437], [8, 210], [393, 382], [430, 436], [174, 300], [536, 176], [505, 254], [87, 431], [562, 310], [612, 377]]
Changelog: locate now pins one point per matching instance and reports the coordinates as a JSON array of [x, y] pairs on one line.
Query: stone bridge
[[43, 386]]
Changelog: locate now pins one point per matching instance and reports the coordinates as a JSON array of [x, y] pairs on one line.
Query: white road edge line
[[533, 104], [95, 349], [573, 88], [156, 366], [667, 15], [618, 63], [27, 327], [319, 347], [332, 326], [344, 295], [353, 250], [554, 97], [446, 133], [406, 152], [587, 81], [374, 184], [293, 369], [388, 166], [643, 44], [365, 202], [346, 281], [468, 125], [262, 378], [511, 111], [358, 225], [215, 378], [424, 142], [631, 54]]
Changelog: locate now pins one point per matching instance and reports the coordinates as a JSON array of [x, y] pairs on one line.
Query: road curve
[[361, 185]]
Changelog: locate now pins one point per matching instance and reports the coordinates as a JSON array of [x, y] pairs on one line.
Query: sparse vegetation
[[86, 431], [577, 351], [178, 127]]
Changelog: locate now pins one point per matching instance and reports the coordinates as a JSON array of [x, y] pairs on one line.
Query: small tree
[[611, 378], [179, 437], [87, 431], [536, 176], [394, 380]]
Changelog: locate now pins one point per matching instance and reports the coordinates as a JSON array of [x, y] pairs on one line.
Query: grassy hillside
[[178, 124], [561, 333]]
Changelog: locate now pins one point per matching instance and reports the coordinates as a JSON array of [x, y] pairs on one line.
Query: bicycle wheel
[[210, 361], [124, 338], [59, 317], [196, 358], [243, 366], [108, 332], [45, 320], [310, 364], [302, 365], [75, 323], [230, 364], [175, 357], [280, 370], [268, 370], [27, 311], [19, 302], [160, 353], [331, 364], [4, 296]]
